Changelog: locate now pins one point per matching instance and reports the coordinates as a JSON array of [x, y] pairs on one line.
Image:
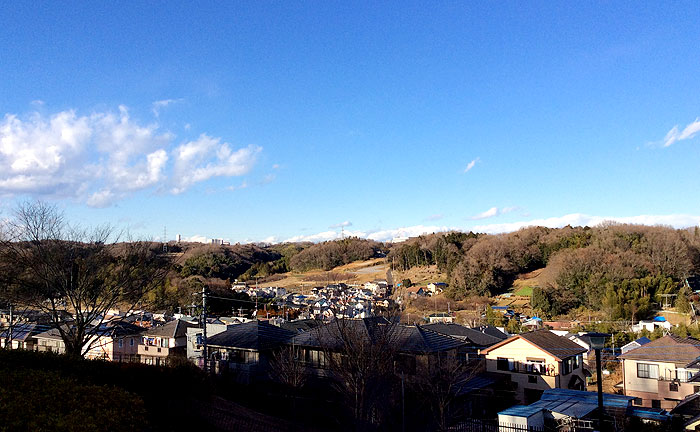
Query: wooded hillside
[[620, 268]]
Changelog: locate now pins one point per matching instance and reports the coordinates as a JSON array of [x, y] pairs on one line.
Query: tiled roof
[[557, 346], [491, 331], [174, 329], [257, 335], [670, 348], [472, 336], [404, 338]]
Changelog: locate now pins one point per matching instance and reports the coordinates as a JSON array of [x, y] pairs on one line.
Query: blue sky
[[269, 121]]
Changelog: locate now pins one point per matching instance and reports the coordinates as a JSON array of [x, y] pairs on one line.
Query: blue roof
[[574, 403], [499, 307], [659, 319], [521, 410], [649, 413], [643, 340]]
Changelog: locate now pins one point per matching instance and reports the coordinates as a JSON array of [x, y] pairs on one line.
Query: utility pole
[[11, 327], [204, 328]]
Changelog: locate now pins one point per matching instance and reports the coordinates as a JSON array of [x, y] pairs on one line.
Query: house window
[[696, 389], [646, 370], [504, 364], [655, 403], [577, 362], [672, 387], [131, 342], [121, 343], [567, 366], [637, 401]]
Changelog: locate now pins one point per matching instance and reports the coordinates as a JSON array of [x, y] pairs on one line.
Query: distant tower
[[165, 239], [179, 238]]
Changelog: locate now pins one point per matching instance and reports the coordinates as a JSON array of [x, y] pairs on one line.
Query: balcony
[[149, 350], [534, 368]]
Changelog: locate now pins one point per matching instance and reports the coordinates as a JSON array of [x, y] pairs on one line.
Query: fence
[[478, 425]]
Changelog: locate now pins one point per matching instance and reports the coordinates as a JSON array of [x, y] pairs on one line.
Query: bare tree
[[287, 367], [68, 271], [360, 355], [441, 381]]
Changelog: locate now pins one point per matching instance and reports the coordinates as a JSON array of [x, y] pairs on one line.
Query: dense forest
[[621, 269]]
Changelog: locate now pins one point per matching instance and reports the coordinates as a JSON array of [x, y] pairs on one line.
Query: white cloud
[[103, 157], [341, 224], [675, 134], [208, 157], [493, 212], [159, 105], [575, 219], [471, 165]]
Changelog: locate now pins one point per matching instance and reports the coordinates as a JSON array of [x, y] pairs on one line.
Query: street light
[[598, 343]]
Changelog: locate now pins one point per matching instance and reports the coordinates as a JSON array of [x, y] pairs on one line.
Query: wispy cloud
[[341, 224], [493, 212], [434, 217], [675, 134], [103, 157], [157, 106], [471, 165]]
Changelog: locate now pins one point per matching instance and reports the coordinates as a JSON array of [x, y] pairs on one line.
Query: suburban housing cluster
[[544, 373]]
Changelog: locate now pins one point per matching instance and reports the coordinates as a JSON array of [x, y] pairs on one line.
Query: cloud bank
[[574, 219], [105, 156]]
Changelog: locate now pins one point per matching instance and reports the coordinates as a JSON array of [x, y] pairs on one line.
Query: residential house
[[651, 325], [416, 347], [415, 292], [662, 372], [20, 336], [635, 344], [440, 317], [436, 287], [51, 341], [246, 349], [537, 361], [116, 341], [159, 345], [195, 341], [533, 323]]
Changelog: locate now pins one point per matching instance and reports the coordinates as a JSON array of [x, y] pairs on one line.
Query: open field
[[357, 272]]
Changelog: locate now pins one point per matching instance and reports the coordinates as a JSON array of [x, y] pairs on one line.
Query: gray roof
[[491, 331], [255, 335], [413, 339], [471, 336], [174, 329]]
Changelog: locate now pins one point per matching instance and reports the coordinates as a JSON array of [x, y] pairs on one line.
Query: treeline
[[619, 268], [331, 254]]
